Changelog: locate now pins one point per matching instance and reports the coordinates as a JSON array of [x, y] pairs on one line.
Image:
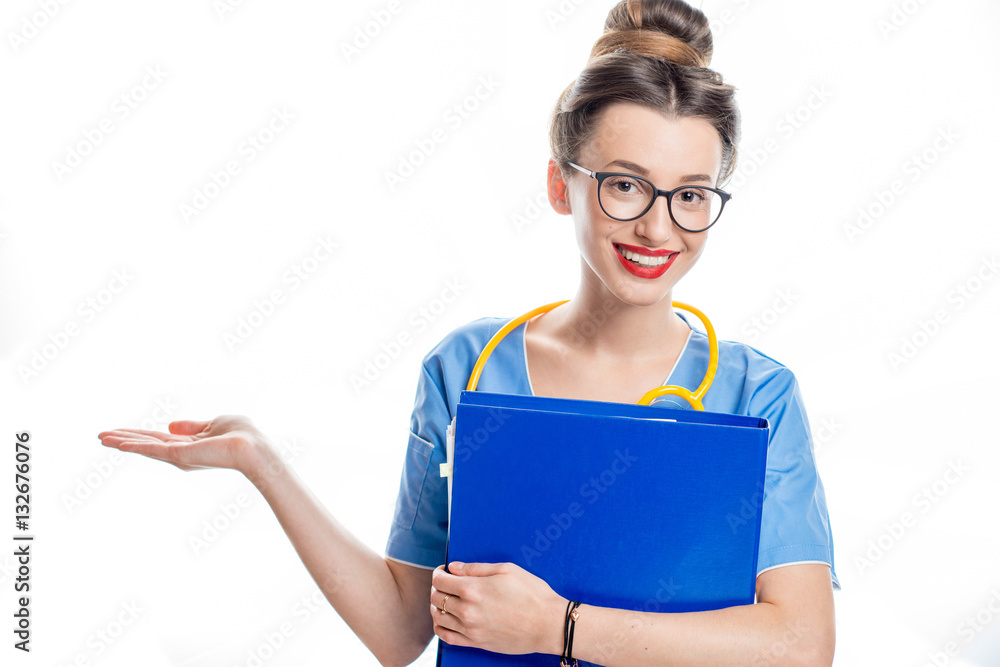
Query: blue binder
[[619, 505]]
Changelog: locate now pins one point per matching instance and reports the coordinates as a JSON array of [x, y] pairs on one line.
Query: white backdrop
[[169, 169]]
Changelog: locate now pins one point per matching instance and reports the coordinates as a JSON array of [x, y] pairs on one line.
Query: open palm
[[229, 441]]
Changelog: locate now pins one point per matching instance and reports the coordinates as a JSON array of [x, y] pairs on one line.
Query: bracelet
[[572, 615]]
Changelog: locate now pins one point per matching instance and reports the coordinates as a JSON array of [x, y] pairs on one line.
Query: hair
[[654, 53]]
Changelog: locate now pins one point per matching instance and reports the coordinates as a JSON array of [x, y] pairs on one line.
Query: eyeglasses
[[625, 197]]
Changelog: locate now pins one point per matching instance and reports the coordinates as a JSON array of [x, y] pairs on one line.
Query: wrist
[[553, 623], [263, 465]]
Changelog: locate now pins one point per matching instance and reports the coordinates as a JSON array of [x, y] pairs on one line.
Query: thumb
[[186, 427], [475, 569]]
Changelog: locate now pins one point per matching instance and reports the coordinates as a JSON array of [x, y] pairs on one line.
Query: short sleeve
[[419, 530], [795, 524]]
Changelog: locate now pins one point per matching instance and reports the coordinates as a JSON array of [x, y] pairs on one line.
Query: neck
[[599, 322]]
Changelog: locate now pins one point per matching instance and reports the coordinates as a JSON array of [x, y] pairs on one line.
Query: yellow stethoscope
[[692, 397]]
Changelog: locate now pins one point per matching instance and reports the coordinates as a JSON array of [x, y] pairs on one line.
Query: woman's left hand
[[499, 607]]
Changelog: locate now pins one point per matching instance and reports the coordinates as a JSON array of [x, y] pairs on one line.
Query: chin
[[648, 295]]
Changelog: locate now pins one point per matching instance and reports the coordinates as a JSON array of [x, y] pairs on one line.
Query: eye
[[693, 198], [624, 186]]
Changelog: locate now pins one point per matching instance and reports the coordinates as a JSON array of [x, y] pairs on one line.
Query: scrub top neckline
[[677, 362]]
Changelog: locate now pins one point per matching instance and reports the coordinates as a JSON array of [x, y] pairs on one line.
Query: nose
[[656, 225]]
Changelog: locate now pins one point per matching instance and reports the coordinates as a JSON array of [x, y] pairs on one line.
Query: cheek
[[695, 248]]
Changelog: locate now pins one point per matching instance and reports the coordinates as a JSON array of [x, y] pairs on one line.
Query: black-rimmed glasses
[[625, 197]]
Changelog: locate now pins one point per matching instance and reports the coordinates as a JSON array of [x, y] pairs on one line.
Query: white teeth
[[643, 260]]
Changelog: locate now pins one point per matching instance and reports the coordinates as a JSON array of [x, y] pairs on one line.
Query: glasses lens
[[696, 208], [625, 197]]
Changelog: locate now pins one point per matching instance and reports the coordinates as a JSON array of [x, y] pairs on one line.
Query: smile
[[643, 260], [645, 264]]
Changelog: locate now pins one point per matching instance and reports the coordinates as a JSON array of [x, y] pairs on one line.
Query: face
[[669, 153]]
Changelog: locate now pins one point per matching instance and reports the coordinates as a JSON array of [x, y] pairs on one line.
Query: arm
[[501, 607], [791, 624], [384, 602]]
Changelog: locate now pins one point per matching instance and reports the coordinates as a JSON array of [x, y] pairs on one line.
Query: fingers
[[136, 447], [443, 582], [187, 427], [450, 636], [451, 604], [479, 569], [111, 438], [201, 454], [139, 431], [156, 450]]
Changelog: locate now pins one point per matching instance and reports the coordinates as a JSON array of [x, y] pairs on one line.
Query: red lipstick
[[649, 272]]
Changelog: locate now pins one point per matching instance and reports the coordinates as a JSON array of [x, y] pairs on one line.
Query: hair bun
[[667, 29]]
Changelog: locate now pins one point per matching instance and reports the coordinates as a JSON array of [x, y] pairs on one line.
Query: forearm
[[757, 635], [355, 580]]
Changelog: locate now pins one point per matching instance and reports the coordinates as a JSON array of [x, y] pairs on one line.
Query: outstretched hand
[[499, 607], [229, 441]]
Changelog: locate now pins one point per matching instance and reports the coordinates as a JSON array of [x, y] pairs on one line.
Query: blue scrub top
[[795, 526]]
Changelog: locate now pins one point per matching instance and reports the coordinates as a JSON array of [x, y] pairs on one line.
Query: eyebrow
[[642, 171]]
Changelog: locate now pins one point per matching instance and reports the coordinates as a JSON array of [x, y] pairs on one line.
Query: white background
[[869, 97]]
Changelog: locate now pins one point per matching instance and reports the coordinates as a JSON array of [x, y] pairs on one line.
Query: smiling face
[[641, 260]]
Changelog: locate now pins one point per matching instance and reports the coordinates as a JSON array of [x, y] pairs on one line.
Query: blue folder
[[618, 505]]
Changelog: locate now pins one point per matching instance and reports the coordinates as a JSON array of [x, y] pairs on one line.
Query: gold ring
[[444, 603]]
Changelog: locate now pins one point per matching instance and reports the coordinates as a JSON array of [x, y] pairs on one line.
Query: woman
[[645, 118]]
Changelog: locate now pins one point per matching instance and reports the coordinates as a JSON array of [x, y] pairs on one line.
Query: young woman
[[645, 118]]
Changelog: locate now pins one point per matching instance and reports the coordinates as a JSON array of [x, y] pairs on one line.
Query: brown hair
[[654, 53]]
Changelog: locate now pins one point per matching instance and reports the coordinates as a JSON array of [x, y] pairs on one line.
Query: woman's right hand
[[228, 441], [383, 601]]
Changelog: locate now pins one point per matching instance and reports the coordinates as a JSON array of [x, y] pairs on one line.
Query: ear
[[558, 190]]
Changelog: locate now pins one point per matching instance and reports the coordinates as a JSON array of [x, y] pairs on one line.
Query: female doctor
[[642, 143]]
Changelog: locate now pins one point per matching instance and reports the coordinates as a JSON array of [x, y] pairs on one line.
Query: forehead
[[667, 147]]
